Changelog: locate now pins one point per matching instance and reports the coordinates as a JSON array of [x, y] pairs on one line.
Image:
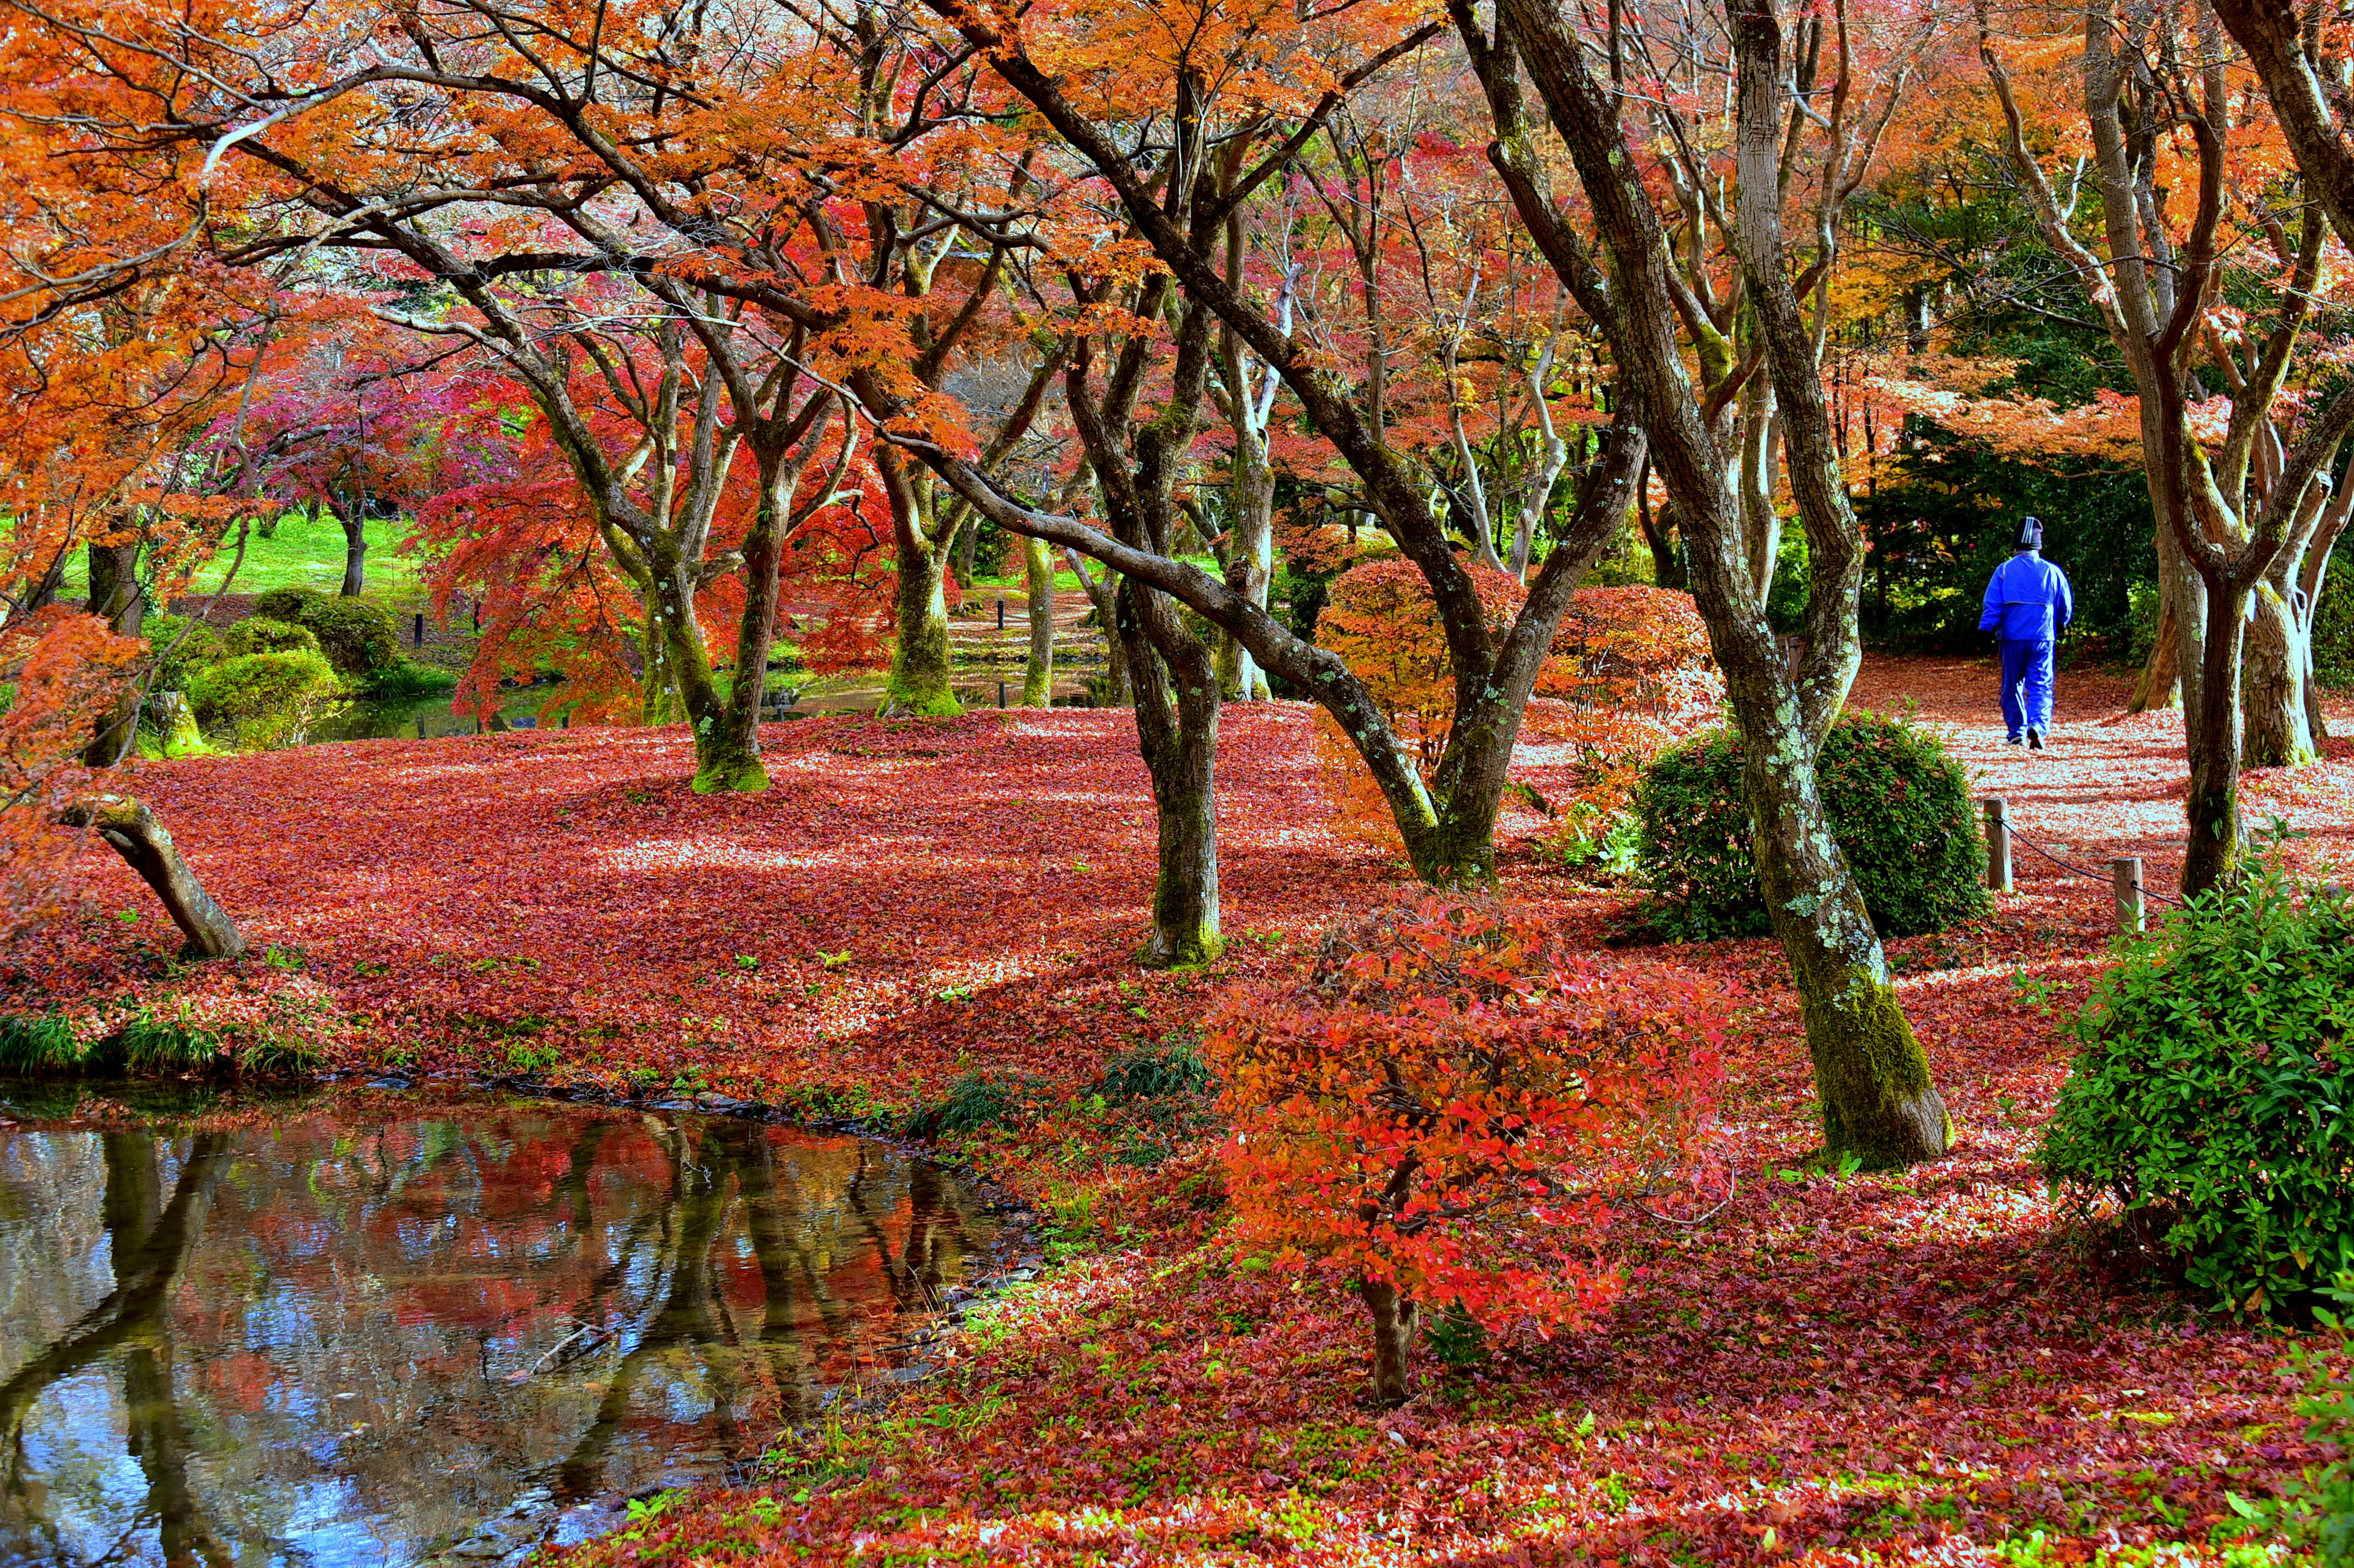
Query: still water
[[355, 1328]]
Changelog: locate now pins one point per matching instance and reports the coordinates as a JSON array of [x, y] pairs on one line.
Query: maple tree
[[2236, 524], [1449, 1115]]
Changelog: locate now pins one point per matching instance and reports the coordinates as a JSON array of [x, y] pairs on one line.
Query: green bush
[[978, 1101], [182, 646], [357, 635], [2212, 1093], [2316, 1512], [264, 699], [260, 634], [1899, 805], [287, 603]]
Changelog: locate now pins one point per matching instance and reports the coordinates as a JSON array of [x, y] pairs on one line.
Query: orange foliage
[[1631, 668], [66, 668], [1451, 1107]]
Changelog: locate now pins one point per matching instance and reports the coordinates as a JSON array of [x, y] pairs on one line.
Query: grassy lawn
[[301, 553]]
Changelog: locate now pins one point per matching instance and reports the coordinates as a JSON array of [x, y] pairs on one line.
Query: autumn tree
[[718, 219], [2235, 524], [1871, 1072], [1239, 75]]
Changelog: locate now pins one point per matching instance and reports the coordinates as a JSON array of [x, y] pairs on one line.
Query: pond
[[364, 1326]]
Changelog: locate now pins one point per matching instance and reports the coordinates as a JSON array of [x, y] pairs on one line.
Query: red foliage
[[1453, 1108], [1901, 1368]]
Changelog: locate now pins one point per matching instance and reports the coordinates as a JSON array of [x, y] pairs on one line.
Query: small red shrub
[[1455, 1115]]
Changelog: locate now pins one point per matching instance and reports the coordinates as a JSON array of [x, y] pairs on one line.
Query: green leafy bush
[[2316, 1512], [1899, 805], [260, 634], [264, 699], [182, 646], [286, 603], [357, 635], [2212, 1093]]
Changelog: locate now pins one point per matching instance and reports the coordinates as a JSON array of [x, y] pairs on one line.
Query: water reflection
[[351, 1330]]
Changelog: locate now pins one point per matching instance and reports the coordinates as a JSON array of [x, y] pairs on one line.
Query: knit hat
[[2030, 532]]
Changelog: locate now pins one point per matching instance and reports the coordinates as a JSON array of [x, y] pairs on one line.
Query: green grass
[[33, 1044], [304, 551]]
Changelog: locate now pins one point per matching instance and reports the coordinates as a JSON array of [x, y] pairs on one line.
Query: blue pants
[[2027, 665]]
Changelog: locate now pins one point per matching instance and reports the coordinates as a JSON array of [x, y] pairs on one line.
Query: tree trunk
[[355, 522], [921, 678], [1177, 732], [1395, 1321], [1761, 525], [1250, 567], [727, 758], [2277, 733], [1038, 673], [2160, 685], [116, 594], [2211, 725], [136, 833]]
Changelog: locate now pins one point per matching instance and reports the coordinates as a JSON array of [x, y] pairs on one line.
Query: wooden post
[[2127, 872], [417, 639], [1000, 615], [1000, 693], [1997, 839]]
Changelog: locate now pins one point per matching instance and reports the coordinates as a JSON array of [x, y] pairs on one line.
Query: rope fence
[[2125, 872]]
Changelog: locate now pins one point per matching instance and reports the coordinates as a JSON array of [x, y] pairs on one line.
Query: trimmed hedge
[[357, 635], [260, 634], [2212, 1093], [264, 697], [1899, 805]]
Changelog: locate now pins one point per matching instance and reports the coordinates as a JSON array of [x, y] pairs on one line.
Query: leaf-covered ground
[[1930, 1366]]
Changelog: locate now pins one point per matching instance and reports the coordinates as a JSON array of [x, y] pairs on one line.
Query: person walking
[[2026, 603]]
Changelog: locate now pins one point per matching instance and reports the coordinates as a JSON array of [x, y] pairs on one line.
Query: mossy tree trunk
[[133, 831], [117, 594], [1871, 1072], [922, 678], [1038, 670], [1171, 669]]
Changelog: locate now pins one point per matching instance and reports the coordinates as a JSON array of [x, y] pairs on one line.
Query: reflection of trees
[[148, 1239], [428, 1316]]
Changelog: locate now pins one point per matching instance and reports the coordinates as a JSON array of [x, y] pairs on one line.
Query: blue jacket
[[2027, 597]]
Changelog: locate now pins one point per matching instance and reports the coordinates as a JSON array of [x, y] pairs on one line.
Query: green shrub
[[2316, 1512], [182, 646], [264, 699], [152, 1044], [260, 634], [286, 603], [2212, 1093], [29, 1044], [357, 635], [1899, 805]]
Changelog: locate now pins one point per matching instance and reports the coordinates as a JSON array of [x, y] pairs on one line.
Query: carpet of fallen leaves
[[1929, 1366]]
